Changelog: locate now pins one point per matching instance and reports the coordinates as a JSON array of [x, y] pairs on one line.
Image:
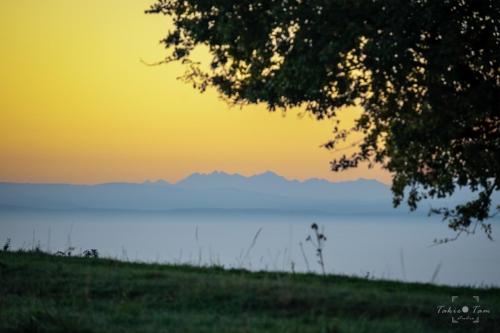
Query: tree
[[426, 74]]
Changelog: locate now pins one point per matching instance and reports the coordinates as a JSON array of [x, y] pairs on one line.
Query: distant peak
[[215, 175], [219, 173], [269, 174]]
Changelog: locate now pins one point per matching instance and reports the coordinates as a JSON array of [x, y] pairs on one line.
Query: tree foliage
[[426, 74]]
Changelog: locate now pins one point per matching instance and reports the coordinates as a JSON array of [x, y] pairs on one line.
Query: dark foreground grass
[[44, 293]]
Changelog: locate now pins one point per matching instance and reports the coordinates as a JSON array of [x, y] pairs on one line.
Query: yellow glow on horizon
[[77, 105]]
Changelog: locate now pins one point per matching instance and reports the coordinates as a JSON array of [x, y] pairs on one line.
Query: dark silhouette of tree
[[426, 74]]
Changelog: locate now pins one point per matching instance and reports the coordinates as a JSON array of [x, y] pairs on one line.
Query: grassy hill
[[45, 293]]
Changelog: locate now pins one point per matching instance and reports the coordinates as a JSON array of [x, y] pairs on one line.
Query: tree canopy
[[426, 74]]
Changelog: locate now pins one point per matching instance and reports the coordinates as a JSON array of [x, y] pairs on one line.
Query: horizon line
[[214, 172]]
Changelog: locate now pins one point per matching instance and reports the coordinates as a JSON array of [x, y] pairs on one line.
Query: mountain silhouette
[[217, 191]]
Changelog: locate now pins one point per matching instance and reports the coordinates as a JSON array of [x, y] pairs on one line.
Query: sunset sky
[[77, 105]]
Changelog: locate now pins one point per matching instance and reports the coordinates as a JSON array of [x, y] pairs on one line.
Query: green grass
[[44, 293]]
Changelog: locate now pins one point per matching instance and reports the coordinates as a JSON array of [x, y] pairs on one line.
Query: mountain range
[[217, 191]]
